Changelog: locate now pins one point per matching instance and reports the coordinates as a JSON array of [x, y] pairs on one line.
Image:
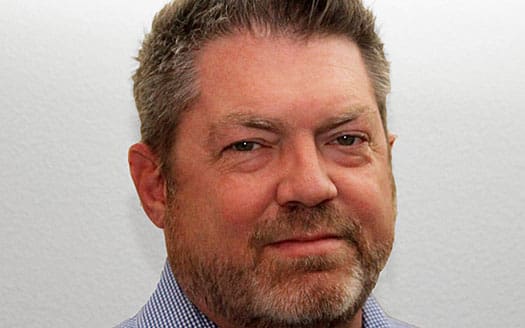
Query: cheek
[[245, 200], [368, 198]]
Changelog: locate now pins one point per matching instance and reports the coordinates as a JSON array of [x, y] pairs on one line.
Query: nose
[[305, 179]]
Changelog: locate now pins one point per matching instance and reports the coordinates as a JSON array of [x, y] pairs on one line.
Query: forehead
[[245, 72]]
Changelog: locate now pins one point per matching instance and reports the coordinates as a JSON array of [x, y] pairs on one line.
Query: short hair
[[165, 81]]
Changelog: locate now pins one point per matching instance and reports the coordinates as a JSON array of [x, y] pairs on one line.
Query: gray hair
[[165, 82]]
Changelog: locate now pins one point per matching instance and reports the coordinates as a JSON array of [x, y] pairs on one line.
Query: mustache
[[300, 220]]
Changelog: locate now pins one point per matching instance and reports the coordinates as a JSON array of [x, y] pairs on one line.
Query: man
[[265, 157]]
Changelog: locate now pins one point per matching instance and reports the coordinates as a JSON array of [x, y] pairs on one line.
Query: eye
[[348, 140], [244, 146]]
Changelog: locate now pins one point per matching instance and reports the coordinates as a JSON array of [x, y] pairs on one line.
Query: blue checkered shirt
[[169, 307]]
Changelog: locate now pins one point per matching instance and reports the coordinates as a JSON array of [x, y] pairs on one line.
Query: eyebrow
[[277, 126], [348, 116], [248, 120]]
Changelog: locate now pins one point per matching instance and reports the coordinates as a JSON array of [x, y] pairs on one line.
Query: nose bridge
[[305, 179]]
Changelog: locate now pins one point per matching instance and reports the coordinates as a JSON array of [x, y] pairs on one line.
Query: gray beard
[[268, 292]]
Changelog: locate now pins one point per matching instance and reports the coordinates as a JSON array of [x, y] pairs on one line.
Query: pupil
[[346, 140], [244, 145]]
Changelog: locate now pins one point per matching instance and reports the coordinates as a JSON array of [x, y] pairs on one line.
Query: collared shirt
[[168, 307]]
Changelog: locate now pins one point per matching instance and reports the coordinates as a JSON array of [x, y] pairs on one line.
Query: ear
[[391, 139], [149, 182]]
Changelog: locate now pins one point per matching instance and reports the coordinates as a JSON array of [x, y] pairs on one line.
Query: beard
[[258, 290]]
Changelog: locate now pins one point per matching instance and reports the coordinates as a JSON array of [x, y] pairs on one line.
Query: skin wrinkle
[[182, 28], [332, 123], [297, 68], [234, 120], [221, 222]]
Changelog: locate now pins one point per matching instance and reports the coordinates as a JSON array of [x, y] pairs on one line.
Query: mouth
[[308, 245]]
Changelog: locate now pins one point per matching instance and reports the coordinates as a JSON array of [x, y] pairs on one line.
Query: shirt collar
[[169, 307], [373, 315]]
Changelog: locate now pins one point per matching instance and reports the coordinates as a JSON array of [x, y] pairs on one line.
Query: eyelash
[[249, 145], [354, 139]]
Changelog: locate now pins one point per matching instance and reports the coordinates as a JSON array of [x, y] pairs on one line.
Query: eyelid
[[363, 136], [256, 143]]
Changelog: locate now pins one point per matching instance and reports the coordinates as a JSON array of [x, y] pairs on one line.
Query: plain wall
[[77, 250]]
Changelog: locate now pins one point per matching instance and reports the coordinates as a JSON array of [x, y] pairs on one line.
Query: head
[[165, 84], [266, 158]]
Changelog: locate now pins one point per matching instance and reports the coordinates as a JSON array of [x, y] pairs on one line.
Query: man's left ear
[[391, 139]]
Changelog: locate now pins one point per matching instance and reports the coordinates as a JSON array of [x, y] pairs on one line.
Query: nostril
[[294, 206], [304, 178]]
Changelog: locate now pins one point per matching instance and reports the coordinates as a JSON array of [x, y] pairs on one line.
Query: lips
[[306, 238], [308, 244]]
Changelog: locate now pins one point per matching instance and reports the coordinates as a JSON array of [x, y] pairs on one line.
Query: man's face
[[282, 207]]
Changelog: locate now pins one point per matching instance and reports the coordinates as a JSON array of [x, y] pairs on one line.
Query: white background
[[77, 251]]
